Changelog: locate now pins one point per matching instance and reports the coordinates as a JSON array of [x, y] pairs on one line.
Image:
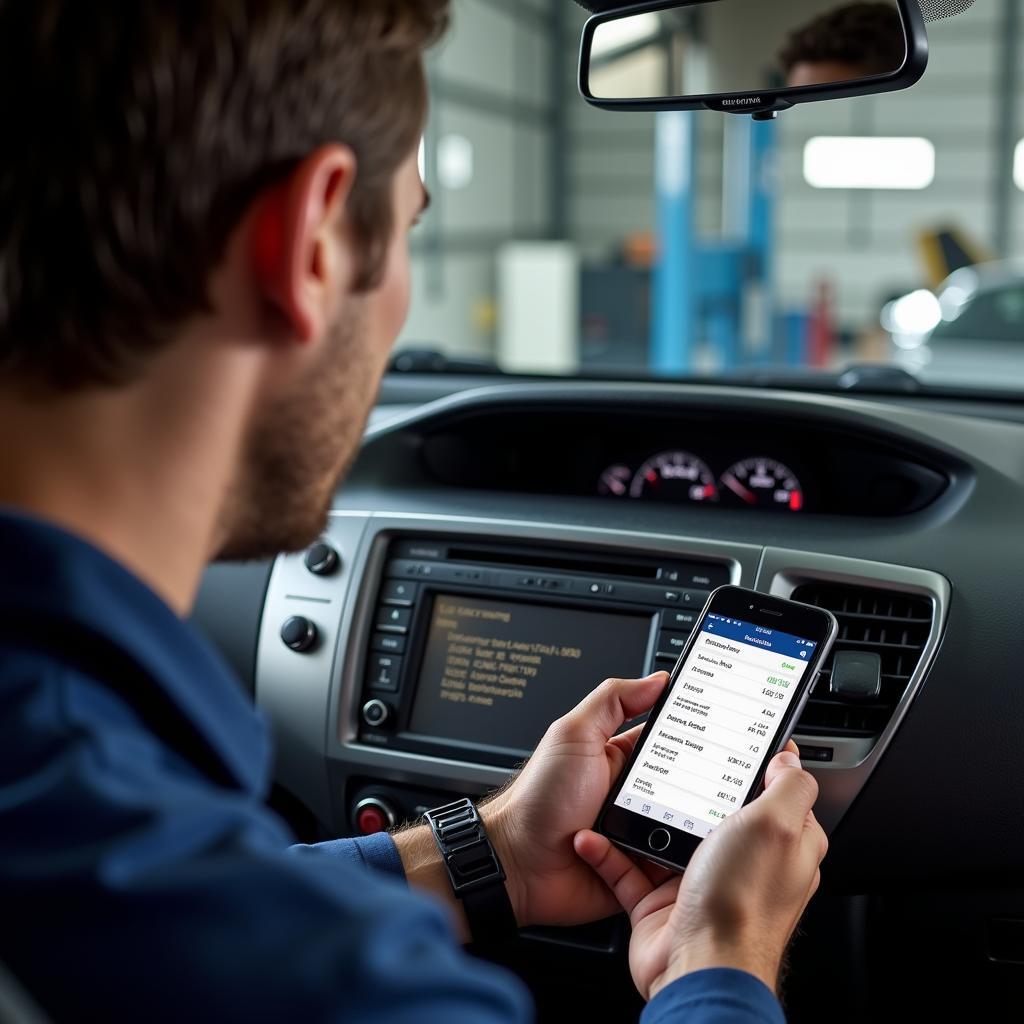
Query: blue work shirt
[[141, 875]]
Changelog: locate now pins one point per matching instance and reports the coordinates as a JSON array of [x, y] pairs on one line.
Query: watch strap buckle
[[468, 853]]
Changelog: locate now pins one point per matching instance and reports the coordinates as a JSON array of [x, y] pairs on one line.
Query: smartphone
[[732, 702]]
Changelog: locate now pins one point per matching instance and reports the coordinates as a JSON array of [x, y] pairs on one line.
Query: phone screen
[[715, 730]]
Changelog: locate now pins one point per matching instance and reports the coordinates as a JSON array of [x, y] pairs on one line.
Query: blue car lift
[[715, 291]]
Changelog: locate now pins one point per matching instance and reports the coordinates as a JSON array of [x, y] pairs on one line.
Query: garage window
[[843, 161]]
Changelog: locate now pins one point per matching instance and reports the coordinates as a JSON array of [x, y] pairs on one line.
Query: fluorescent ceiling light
[[614, 35], [1018, 166], [841, 161], [455, 162]]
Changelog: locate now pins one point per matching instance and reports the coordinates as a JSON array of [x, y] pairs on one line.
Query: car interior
[[659, 345]]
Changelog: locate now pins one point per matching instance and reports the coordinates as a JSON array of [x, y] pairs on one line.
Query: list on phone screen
[[716, 728]]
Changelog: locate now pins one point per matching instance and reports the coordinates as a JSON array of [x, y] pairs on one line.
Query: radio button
[[675, 620], [394, 620], [671, 645], [299, 634], [671, 597], [388, 643], [695, 598], [384, 670], [376, 713], [322, 560], [399, 592]]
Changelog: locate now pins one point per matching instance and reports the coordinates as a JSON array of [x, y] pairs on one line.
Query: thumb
[[628, 883], [614, 702], [791, 793], [785, 759]]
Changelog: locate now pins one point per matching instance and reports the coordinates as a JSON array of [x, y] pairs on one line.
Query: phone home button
[[658, 840]]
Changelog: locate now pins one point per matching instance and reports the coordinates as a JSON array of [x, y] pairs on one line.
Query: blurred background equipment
[[946, 250], [972, 325]]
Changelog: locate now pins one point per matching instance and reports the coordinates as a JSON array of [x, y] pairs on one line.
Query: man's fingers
[[790, 792], [615, 701], [820, 835], [626, 741], [656, 873], [782, 760], [627, 881]]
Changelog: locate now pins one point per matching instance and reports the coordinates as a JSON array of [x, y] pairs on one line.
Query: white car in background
[[971, 331]]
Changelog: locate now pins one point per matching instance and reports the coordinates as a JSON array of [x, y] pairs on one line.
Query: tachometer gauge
[[615, 481], [674, 476], [763, 483]]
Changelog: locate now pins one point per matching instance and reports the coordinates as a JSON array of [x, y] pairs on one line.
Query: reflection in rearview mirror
[[716, 49]]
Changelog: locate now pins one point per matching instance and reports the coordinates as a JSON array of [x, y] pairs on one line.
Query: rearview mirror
[[749, 56]]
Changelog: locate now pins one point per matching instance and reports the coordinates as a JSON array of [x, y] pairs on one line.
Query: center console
[[408, 660], [476, 647]]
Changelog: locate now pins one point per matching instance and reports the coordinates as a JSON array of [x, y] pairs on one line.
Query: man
[[203, 265], [854, 41]]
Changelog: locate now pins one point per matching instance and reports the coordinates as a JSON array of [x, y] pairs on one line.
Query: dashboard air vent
[[894, 625]]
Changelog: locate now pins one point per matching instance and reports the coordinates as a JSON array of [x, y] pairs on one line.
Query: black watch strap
[[474, 870]]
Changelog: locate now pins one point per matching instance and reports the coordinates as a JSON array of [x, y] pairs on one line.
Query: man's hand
[[741, 896], [560, 791]]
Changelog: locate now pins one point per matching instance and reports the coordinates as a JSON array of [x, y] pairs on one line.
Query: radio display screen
[[495, 674]]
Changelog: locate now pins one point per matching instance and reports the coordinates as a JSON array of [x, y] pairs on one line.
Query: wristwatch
[[476, 874]]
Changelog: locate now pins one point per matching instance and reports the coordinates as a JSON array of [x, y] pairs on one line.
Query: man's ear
[[299, 255]]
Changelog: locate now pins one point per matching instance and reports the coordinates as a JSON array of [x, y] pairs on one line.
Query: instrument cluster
[[680, 477]]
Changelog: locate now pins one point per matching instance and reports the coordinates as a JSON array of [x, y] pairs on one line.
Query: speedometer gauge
[[615, 481], [674, 476], [763, 483]]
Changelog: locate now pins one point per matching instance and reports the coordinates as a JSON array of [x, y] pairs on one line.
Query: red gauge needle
[[739, 490]]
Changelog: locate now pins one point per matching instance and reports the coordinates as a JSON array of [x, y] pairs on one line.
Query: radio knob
[[376, 713], [322, 560], [372, 814], [299, 634]]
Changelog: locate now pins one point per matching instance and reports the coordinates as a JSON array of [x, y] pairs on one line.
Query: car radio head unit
[[493, 672], [473, 650]]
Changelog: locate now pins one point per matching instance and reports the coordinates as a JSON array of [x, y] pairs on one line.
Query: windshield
[[570, 241]]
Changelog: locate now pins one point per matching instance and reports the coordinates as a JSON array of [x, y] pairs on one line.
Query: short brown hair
[[135, 136], [869, 35]]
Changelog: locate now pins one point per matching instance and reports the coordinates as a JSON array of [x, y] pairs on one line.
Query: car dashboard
[[581, 527]]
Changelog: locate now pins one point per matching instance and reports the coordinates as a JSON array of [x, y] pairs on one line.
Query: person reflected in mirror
[[858, 40]]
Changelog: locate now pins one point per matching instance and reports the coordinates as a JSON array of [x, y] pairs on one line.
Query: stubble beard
[[300, 450]]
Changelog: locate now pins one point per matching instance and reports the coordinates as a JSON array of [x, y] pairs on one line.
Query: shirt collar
[[51, 575]]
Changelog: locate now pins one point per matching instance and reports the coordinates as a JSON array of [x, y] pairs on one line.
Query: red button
[[370, 820]]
